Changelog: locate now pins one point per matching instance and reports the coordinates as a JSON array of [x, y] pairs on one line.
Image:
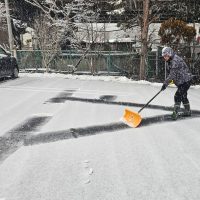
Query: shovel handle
[[149, 101]]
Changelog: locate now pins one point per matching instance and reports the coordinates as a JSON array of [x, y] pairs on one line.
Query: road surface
[[63, 139]]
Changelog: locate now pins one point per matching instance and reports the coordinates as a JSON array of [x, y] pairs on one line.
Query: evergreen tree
[[174, 31]]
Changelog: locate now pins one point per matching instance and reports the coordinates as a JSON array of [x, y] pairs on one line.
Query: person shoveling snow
[[180, 75]]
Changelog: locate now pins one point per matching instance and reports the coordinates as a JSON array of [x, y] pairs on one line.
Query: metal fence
[[96, 63], [110, 62]]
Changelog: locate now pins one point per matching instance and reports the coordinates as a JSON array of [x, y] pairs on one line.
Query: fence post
[[165, 70], [15, 51], [108, 63], [157, 55]]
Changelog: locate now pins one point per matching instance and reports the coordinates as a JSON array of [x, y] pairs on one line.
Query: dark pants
[[181, 93]]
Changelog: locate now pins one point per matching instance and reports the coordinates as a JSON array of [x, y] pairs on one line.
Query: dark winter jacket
[[178, 71]]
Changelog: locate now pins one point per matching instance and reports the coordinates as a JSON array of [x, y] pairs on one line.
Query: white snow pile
[[121, 79]]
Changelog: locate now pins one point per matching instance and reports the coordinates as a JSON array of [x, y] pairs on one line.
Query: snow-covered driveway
[[62, 139]]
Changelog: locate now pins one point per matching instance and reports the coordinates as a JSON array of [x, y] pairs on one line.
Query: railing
[[96, 63]]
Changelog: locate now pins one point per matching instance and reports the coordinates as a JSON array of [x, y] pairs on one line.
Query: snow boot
[[187, 111], [175, 111]]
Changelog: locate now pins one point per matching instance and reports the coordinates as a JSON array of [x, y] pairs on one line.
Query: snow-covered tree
[[2, 15], [140, 13], [144, 12], [2, 10], [47, 37], [56, 25], [3, 27], [69, 12], [21, 10], [187, 10]]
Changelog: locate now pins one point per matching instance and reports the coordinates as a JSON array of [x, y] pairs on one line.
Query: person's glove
[[163, 87], [171, 82]]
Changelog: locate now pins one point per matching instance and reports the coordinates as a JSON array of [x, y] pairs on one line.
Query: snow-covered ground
[[61, 138]]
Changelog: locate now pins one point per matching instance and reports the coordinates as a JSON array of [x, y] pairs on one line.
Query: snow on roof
[[100, 27], [110, 32], [121, 40]]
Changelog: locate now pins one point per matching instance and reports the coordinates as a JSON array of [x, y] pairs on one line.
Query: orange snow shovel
[[134, 119]]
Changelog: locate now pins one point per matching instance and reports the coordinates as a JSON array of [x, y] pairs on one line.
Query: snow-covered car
[[8, 64]]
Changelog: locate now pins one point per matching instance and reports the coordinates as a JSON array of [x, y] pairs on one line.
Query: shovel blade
[[132, 118]]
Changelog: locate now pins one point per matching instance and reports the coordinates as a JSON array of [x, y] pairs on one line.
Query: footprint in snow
[[88, 171]]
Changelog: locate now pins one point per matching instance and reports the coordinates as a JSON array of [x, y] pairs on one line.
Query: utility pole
[[144, 37], [10, 35]]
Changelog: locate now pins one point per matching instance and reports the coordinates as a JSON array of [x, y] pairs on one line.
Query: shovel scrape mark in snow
[[121, 103], [166, 118], [30, 125], [107, 97], [74, 133], [13, 139], [61, 98]]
